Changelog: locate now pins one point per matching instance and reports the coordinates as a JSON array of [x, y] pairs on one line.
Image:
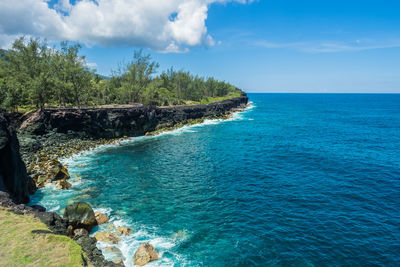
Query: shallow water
[[297, 180]]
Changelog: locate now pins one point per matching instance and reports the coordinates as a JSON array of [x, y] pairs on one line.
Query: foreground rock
[[13, 175], [58, 225], [107, 237], [144, 254], [101, 218], [80, 215]]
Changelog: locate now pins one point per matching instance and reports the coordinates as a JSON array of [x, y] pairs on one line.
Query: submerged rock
[[144, 254], [124, 230], [107, 237], [114, 253], [80, 215], [101, 218]]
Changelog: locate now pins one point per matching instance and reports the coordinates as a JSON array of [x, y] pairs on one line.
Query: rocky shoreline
[[47, 135]]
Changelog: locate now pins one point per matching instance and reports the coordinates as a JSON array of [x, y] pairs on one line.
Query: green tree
[[138, 75]]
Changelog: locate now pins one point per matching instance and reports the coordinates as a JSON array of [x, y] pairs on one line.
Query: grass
[[209, 100], [25, 241]]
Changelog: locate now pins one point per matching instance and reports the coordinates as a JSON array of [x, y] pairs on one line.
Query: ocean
[[294, 180]]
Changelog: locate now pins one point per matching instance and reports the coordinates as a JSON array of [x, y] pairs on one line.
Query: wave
[[140, 234]]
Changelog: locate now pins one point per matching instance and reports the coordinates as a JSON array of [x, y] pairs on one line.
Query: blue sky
[[260, 46]]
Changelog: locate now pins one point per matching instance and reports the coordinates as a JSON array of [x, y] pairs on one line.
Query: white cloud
[[331, 46], [162, 25], [91, 64]]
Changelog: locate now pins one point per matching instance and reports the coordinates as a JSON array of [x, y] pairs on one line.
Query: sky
[[324, 46]]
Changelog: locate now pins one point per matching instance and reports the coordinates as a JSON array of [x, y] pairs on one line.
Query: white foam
[[106, 211], [129, 244], [84, 158]]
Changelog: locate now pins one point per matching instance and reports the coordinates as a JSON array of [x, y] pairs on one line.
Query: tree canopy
[[32, 74]]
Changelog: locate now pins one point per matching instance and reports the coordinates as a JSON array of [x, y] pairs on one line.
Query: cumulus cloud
[[162, 25]]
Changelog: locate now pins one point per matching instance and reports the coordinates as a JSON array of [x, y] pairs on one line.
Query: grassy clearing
[[25, 241]]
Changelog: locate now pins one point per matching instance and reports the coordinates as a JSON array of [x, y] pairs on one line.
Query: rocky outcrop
[[124, 121], [59, 226], [101, 218], [124, 230], [13, 176], [107, 237], [80, 215], [144, 254]]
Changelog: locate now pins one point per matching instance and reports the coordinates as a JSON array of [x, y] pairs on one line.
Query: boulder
[[144, 254], [80, 215], [101, 218], [114, 253], [119, 262], [63, 184], [107, 237], [124, 230], [56, 171], [80, 231]]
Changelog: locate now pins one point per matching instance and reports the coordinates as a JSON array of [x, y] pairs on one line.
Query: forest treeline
[[34, 75]]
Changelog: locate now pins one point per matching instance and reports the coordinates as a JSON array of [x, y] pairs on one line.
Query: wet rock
[[56, 171], [144, 254], [63, 184], [107, 237], [80, 215], [124, 230], [101, 218], [119, 262], [76, 179], [80, 231], [114, 253], [39, 208], [89, 247]]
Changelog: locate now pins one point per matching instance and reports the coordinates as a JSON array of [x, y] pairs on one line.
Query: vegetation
[[25, 241], [33, 75]]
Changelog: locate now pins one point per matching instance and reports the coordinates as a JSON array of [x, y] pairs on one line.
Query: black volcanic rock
[[13, 176], [119, 121], [80, 215]]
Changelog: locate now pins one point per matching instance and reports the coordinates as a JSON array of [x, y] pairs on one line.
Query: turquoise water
[[296, 180]]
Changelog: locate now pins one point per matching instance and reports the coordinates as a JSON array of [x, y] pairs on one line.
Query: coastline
[[76, 145], [126, 243]]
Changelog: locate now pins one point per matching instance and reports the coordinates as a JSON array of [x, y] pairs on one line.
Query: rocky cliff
[[13, 176], [126, 121]]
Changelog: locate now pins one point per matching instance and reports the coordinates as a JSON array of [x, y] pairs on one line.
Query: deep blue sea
[[295, 180]]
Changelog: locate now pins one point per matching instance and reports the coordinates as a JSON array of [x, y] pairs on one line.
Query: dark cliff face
[[13, 176], [116, 122]]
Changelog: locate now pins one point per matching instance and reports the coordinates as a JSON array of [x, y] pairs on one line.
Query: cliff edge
[[13, 175]]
